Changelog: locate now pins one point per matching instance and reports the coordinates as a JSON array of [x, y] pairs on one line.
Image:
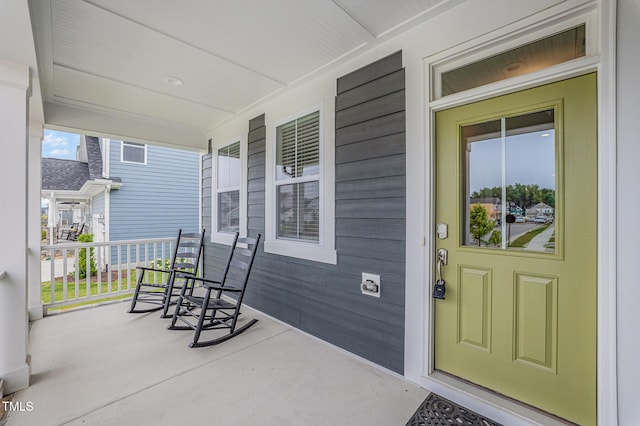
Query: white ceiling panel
[[90, 40], [380, 16], [281, 39], [92, 92]]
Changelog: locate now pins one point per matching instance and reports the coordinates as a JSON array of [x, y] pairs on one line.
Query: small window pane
[[299, 211], [540, 54], [298, 147], [133, 152], [229, 211], [511, 159], [229, 167]]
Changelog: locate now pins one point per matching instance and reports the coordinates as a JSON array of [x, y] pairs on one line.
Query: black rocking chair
[[220, 306], [185, 259]]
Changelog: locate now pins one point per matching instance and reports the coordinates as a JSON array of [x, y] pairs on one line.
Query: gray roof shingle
[[70, 175], [94, 157], [60, 174]]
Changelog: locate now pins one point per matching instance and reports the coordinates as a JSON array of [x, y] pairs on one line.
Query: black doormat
[[436, 410]]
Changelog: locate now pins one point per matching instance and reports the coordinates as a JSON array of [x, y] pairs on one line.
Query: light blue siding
[[156, 198], [97, 205]]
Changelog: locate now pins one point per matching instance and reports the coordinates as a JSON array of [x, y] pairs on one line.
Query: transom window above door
[[491, 65]]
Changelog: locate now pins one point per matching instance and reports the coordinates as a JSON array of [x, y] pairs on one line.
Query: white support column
[[34, 225], [14, 89]]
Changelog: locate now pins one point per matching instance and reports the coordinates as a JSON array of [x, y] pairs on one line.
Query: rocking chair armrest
[[184, 274], [145, 268], [223, 289], [214, 285]]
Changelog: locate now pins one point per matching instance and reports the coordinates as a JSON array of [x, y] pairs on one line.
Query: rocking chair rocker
[[213, 311]]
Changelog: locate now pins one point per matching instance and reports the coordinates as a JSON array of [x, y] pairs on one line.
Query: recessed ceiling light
[[513, 66], [174, 81], [544, 135]]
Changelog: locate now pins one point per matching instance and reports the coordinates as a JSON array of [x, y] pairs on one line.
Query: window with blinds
[[134, 153], [298, 178], [228, 188]]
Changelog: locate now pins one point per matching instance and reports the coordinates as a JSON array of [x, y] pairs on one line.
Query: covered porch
[[104, 366], [372, 77]]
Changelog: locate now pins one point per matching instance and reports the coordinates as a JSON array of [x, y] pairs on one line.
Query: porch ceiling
[[103, 64]]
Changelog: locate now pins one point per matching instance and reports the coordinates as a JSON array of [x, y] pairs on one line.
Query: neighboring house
[[160, 192], [540, 209], [143, 201], [71, 185], [492, 205]]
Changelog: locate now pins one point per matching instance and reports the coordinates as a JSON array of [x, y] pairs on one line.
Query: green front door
[[516, 203]]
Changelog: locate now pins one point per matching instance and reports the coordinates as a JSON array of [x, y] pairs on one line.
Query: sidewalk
[[537, 243]]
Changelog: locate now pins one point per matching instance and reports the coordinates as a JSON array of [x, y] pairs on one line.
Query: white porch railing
[[72, 277]]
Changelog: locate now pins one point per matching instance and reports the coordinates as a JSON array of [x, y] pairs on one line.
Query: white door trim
[[604, 64]]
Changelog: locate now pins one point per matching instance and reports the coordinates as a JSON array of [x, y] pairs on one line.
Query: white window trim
[[122, 160], [323, 250], [226, 237]]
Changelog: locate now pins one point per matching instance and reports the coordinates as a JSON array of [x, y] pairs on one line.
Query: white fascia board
[[91, 188]]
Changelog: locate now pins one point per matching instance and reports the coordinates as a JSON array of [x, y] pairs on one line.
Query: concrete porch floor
[[102, 366]]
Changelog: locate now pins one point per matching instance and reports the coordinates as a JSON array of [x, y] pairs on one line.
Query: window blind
[[228, 188], [299, 211], [298, 178], [229, 166], [298, 147], [133, 152]]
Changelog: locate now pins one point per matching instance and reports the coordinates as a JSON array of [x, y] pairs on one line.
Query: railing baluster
[[119, 269], [164, 260], [52, 276], [99, 266], [110, 267], [137, 261], [65, 292], [87, 271], [128, 266], [76, 276], [155, 257]]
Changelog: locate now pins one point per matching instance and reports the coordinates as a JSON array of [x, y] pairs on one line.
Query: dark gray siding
[[325, 300]]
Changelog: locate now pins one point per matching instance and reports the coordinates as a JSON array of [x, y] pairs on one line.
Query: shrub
[[157, 264], [82, 257], [495, 239], [479, 222]]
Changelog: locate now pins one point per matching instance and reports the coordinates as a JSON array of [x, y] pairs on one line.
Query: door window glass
[[509, 179]]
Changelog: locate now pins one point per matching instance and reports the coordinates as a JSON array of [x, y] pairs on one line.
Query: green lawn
[[524, 239], [93, 288]]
